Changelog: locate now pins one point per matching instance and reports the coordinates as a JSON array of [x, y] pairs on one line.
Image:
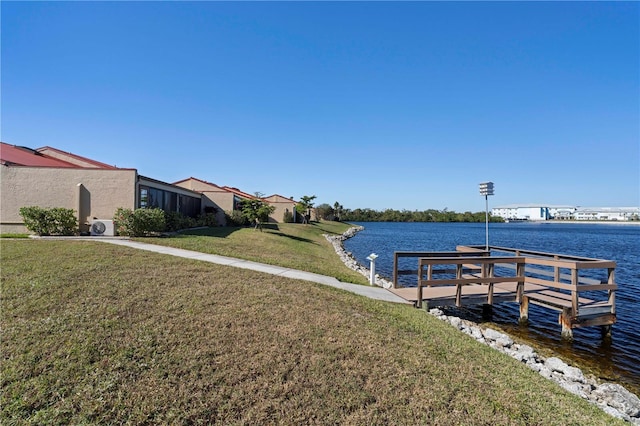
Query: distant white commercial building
[[607, 213], [540, 212], [532, 211]]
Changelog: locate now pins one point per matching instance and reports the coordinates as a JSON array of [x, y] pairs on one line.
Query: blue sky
[[404, 105]]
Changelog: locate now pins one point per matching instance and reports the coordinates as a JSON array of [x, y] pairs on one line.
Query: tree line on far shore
[[327, 212]]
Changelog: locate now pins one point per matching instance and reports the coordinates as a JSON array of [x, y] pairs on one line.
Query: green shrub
[[49, 221], [287, 217], [65, 221], [148, 221], [207, 219], [236, 218], [123, 222], [139, 222], [175, 221], [35, 219]]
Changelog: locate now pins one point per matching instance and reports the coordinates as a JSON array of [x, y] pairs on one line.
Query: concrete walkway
[[371, 292]]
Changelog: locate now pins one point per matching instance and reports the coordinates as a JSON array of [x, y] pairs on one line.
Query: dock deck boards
[[449, 291], [446, 294], [473, 276]]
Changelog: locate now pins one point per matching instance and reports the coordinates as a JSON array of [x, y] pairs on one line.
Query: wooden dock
[[581, 289]]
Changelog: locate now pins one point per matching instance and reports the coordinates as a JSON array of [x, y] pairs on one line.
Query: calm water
[[617, 359]]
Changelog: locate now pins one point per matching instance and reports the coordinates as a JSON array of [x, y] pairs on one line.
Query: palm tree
[[337, 209], [304, 207]]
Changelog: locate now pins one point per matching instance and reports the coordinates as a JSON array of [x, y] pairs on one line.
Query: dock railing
[[557, 282], [582, 289], [466, 251], [469, 270]]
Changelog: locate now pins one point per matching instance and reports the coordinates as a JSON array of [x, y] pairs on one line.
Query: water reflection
[[616, 359]]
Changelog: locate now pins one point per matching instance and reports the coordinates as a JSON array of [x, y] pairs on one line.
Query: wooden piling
[[524, 310], [565, 320]]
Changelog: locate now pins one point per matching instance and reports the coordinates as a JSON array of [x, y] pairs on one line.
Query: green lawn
[[94, 333], [290, 245]]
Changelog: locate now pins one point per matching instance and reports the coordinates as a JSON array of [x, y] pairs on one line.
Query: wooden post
[[574, 291], [612, 293], [459, 286], [520, 288], [490, 273], [607, 329], [556, 270], [395, 270], [419, 295], [565, 321], [429, 274], [524, 310]]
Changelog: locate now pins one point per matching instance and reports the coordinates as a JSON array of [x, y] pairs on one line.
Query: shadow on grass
[[271, 226], [224, 231], [292, 237], [218, 232], [274, 229], [317, 224]]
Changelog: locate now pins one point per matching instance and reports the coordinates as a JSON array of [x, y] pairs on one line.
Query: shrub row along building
[[540, 212], [48, 177]]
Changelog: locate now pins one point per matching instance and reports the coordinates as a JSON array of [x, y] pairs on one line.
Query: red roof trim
[[238, 192], [22, 156], [79, 157]]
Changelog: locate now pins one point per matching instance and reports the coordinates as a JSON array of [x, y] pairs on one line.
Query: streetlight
[[486, 189]]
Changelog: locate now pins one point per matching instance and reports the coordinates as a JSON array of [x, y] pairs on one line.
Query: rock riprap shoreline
[[610, 397], [348, 259]]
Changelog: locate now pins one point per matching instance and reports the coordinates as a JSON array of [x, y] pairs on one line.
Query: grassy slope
[[94, 333], [285, 244]]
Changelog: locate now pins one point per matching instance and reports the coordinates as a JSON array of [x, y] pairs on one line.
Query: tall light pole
[[486, 189]]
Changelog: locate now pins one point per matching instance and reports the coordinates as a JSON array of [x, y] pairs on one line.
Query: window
[[144, 197], [237, 203], [169, 201], [189, 206], [156, 198]]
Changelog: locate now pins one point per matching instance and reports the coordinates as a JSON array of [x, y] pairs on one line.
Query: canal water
[[616, 359]]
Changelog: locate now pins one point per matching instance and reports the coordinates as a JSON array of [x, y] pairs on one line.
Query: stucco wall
[[195, 185], [281, 204], [100, 194], [223, 200], [213, 196], [152, 183], [278, 214]]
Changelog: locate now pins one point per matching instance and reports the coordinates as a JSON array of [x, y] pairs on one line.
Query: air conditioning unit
[[102, 228]]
